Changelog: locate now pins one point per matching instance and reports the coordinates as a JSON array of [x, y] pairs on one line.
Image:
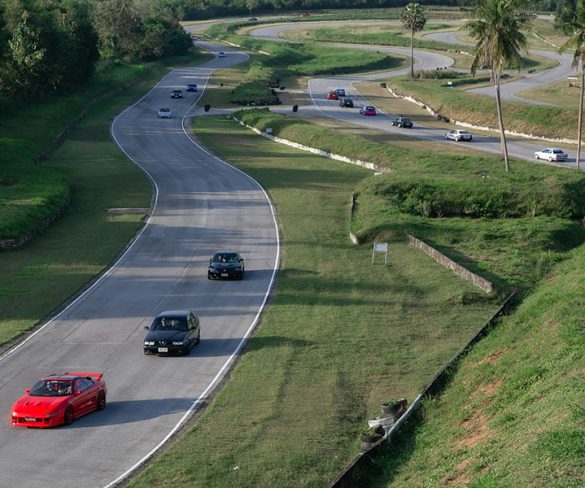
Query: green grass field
[[46, 272], [340, 336]]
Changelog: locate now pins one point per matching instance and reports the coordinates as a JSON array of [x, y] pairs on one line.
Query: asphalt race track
[[202, 205]]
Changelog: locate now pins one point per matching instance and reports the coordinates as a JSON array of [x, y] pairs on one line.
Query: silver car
[[164, 113], [458, 135], [551, 154]]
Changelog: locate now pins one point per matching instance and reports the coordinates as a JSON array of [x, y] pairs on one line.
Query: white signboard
[[380, 247]]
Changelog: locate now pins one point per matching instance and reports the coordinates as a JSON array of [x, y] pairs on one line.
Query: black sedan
[[402, 122], [173, 332], [346, 102], [226, 264]]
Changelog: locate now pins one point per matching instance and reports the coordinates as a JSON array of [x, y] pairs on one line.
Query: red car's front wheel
[[68, 417], [101, 401]]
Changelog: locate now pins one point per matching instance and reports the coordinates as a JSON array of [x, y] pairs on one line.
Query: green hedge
[[29, 195]]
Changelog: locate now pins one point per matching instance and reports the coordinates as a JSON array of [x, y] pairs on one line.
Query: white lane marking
[[240, 345]]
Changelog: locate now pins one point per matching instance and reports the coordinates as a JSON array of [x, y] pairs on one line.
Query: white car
[[458, 135], [221, 54], [551, 154], [164, 113]]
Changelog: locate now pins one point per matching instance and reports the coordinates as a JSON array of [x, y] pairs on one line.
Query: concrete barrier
[[459, 270], [318, 152]]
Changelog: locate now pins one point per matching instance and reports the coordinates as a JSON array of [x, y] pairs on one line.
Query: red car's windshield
[[52, 388]]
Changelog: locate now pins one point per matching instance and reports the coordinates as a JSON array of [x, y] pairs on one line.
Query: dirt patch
[[491, 388], [477, 430], [494, 356], [462, 477]]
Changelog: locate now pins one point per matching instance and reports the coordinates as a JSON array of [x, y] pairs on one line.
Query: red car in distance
[[332, 95], [368, 110], [59, 399]]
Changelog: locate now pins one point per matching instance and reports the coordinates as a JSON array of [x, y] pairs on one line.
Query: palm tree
[[574, 25], [496, 27], [414, 19]]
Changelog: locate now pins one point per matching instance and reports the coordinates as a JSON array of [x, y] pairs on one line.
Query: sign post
[[380, 247]]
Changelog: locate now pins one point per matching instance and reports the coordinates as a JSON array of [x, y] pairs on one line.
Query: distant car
[[340, 92], [173, 332], [346, 102], [221, 54], [458, 135], [59, 399], [402, 122], [304, 14], [226, 264], [252, 19], [551, 154], [191, 87], [368, 110], [164, 113], [177, 94], [331, 95]]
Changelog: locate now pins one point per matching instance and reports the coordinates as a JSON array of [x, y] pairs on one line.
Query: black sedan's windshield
[[225, 258], [52, 388], [169, 323]]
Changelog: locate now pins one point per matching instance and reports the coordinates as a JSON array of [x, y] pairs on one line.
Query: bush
[[254, 93]]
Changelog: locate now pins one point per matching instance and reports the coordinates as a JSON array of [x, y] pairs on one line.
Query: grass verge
[[340, 335], [514, 251], [43, 274], [538, 120]]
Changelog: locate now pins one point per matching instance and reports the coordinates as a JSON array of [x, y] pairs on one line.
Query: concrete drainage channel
[[365, 459]]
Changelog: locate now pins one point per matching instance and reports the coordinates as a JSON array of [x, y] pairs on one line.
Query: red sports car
[[332, 95], [59, 399]]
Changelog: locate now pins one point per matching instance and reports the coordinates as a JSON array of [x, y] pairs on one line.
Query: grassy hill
[[514, 412]]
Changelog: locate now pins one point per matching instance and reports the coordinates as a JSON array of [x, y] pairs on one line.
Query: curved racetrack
[[202, 205], [318, 87]]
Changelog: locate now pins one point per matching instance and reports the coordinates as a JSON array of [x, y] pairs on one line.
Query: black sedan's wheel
[[69, 416], [101, 401]]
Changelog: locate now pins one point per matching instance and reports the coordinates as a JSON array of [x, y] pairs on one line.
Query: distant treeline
[[203, 9], [50, 46]]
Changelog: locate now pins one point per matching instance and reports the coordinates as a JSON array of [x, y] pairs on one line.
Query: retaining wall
[[459, 270]]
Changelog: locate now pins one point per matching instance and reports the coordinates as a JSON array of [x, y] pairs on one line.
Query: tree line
[[203, 9], [51, 46]]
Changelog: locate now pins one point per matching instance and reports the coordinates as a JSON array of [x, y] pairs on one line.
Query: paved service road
[[511, 90], [203, 205]]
